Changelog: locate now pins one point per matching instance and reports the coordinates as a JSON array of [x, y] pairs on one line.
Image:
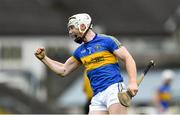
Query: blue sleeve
[[113, 44], [161, 88], [76, 56]]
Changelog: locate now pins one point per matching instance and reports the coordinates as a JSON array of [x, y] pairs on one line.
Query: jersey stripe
[[98, 59]]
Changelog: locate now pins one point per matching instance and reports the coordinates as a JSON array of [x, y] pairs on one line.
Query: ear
[[82, 27]]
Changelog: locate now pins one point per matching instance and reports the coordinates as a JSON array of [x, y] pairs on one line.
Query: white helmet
[[168, 74], [78, 19]]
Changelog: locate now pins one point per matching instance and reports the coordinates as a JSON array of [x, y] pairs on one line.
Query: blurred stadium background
[[150, 29]]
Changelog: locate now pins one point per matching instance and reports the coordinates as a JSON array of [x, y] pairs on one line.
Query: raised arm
[[130, 64], [61, 69]]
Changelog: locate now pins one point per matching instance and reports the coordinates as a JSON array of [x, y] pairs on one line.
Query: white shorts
[[102, 100]]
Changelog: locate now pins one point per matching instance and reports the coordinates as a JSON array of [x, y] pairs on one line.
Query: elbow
[[130, 59], [63, 74]]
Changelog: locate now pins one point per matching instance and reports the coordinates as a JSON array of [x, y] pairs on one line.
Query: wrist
[[132, 81], [43, 58]]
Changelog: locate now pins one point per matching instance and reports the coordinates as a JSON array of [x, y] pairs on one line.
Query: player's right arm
[[61, 69]]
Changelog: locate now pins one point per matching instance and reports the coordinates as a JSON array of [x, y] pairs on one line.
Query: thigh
[[112, 94], [117, 108], [97, 105], [113, 104]]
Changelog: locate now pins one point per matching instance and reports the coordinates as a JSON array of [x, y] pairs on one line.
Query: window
[[10, 52]]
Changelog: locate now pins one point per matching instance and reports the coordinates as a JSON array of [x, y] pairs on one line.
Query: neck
[[90, 35]]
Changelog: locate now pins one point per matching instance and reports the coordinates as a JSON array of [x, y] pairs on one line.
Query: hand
[[40, 53], [133, 88]]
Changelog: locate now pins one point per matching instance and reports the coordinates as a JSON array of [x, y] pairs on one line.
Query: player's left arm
[[123, 54]]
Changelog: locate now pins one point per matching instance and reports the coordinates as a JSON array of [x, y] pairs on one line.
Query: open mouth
[[73, 35]]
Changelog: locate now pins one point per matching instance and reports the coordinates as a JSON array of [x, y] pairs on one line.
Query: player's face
[[74, 32], [168, 81]]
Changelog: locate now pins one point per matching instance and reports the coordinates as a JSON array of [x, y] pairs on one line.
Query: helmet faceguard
[[76, 21]]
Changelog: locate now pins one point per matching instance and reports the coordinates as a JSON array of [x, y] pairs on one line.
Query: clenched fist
[[40, 53]]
